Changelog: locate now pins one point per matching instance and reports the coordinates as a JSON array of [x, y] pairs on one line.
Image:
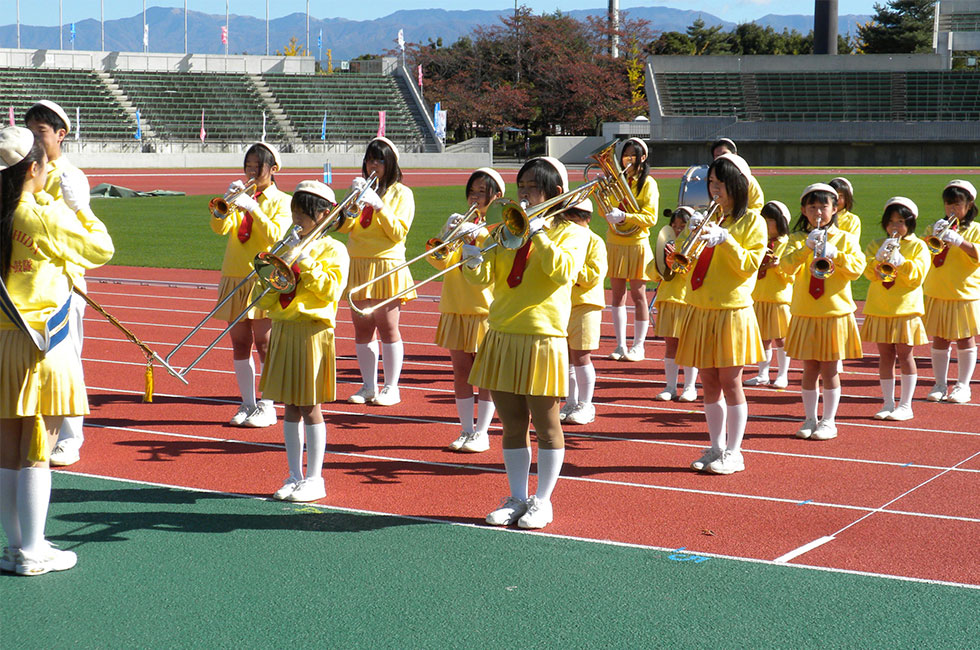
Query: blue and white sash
[[55, 330]]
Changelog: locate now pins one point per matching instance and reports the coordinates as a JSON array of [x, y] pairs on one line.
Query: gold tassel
[[148, 381], [38, 452]]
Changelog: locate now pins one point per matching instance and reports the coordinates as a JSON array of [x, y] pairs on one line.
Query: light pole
[[146, 40], [102, 21], [227, 35], [267, 27], [307, 26], [185, 26], [61, 29], [18, 24]]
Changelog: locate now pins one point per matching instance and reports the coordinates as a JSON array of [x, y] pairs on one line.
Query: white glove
[[370, 197], [939, 225], [952, 237], [246, 203], [468, 229], [74, 188], [883, 254], [535, 226], [814, 238], [830, 251], [472, 256], [714, 235], [615, 216], [453, 219], [694, 221], [358, 184], [897, 260], [235, 186]]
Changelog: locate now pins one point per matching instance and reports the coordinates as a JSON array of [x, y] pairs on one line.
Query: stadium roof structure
[[957, 28]]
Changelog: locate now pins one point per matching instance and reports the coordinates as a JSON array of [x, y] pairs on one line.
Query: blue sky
[[45, 12]]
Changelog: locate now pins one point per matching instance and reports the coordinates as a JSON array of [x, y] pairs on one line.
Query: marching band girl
[[893, 310], [523, 361], [846, 220], [376, 245], [823, 259], [463, 309], [952, 292], [301, 367], [253, 224], [38, 243], [628, 251], [771, 296], [720, 333], [756, 197]]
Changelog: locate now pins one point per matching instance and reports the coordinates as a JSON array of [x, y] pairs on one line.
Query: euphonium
[[221, 205], [615, 190], [934, 242], [822, 267], [684, 259], [888, 270]]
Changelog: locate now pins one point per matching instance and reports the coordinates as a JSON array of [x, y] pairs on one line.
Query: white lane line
[[782, 559]]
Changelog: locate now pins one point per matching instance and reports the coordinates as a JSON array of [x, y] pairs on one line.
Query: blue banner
[[139, 131], [323, 127]]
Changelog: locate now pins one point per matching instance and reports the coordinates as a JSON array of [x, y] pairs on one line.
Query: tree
[[749, 38], [672, 43], [293, 48], [708, 40], [901, 26]]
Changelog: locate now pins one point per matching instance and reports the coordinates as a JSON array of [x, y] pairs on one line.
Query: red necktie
[[701, 268], [286, 298], [245, 227], [366, 215], [764, 268], [816, 287], [520, 261]]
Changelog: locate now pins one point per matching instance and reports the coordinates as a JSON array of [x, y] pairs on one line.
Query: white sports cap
[[966, 186], [904, 202], [60, 112], [640, 144], [318, 189], [739, 162], [560, 168], [819, 187], [272, 150], [388, 142], [15, 143], [492, 173], [783, 210], [585, 205], [845, 182]]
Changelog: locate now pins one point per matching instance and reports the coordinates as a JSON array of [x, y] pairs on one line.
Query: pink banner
[[381, 124], [203, 132], [420, 75]]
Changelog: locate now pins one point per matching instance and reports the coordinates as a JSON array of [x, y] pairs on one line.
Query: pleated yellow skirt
[[238, 302], [629, 262], [907, 330], [300, 367], [952, 319], [670, 319], [522, 364], [584, 326], [823, 339], [461, 331], [363, 269], [773, 319], [719, 338], [34, 383]]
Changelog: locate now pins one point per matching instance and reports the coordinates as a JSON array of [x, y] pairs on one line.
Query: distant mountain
[[347, 38]]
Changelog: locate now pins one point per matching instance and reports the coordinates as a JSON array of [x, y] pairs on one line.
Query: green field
[[173, 232]]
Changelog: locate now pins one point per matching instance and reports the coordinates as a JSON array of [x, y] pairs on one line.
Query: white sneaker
[[583, 414], [758, 380], [263, 415], [728, 463], [309, 489], [884, 412], [901, 414], [8, 563], [48, 559], [824, 431], [287, 488], [65, 453], [387, 396], [458, 442], [688, 395], [618, 354], [937, 393], [362, 396], [565, 409], [710, 455], [959, 395], [510, 510], [806, 429], [476, 442], [781, 382], [539, 514], [635, 353], [666, 395], [240, 415]]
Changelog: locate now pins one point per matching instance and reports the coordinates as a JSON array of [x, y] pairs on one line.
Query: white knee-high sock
[[670, 375], [464, 408], [690, 377], [33, 496], [738, 415], [367, 361], [714, 414], [831, 398], [245, 374], [392, 355], [908, 389], [292, 435], [619, 325], [940, 365], [585, 378], [517, 462], [484, 415], [549, 468], [966, 363], [72, 428], [765, 363], [316, 447], [810, 399], [572, 397], [782, 359], [8, 506], [888, 393], [640, 329]]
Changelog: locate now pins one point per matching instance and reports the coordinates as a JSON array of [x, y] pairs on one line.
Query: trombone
[[822, 267], [220, 206], [934, 242], [684, 259], [618, 190]]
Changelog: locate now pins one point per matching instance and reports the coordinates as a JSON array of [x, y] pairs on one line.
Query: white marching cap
[[585, 205], [317, 189], [688, 210], [272, 150], [640, 144], [388, 142], [818, 187], [492, 173], [739, 162], [560, 168], [847, 183], [728, 144], [15, 143], [904, 202], [966, 186], [783, 210], [60, 112]]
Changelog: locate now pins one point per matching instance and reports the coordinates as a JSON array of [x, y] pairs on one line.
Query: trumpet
[[220, 206], [888, 270], [684, 259], [822, 267], [934, 242], [617, 190]]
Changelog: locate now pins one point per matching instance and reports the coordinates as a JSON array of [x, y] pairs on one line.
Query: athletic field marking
[[803, 549], [515, 531]]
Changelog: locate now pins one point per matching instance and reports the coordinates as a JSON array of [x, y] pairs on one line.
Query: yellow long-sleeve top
[[384, 237], [672, 290], [320, 284], [458, 295], [836, 299], [45, 239], [730, 279], [756, 198], [648, 200], [52, 187], [267, 229], [541, 303], [588, 288], [850, 222], [904, 297], [959, 276], [777, 286]]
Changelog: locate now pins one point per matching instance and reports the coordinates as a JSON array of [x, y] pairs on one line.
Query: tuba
[[616, 191]]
